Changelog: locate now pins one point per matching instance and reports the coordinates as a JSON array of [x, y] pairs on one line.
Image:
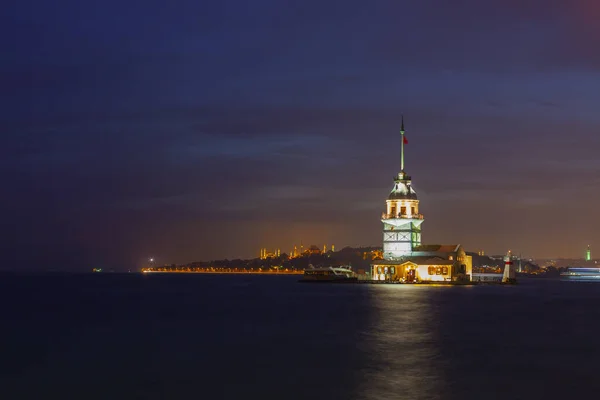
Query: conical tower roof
[[403, 189]]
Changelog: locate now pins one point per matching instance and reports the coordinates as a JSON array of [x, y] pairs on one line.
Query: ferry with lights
[[581, 273], [329, 274]]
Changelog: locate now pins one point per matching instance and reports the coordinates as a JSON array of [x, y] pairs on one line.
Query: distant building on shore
[[264, 254], [295, 252], [588, 254], [405, 258]]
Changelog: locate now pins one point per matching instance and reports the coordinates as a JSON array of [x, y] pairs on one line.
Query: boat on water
[[329, 274], [581, 273]]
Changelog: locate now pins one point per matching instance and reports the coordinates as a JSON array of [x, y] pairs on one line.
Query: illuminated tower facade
[[401, 219], [588, 254]]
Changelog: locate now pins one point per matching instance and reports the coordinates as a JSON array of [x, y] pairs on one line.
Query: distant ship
[[581, 273], [329, 274]]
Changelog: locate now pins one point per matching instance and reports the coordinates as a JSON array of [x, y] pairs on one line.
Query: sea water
[[187, 336]]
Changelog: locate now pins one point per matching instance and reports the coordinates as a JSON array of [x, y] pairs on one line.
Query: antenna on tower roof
[[402, 145]]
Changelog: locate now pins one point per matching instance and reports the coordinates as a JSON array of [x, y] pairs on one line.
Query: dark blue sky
[[198, 130]]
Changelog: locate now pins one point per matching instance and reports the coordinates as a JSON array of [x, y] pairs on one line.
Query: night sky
[[195, 130]]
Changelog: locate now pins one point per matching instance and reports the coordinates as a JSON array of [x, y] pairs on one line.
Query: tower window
[[393, 210], [412, 210], [403, 210]]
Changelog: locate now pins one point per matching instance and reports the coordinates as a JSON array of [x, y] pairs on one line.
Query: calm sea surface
[[109, 336]]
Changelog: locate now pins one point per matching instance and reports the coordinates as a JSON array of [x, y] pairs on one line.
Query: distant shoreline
[[227, 272]]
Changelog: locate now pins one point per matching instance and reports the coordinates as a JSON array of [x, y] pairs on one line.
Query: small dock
[[440, 283], [422, 283]]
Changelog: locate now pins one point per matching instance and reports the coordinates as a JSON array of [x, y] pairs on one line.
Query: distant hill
[[483, 261], [357, 257]]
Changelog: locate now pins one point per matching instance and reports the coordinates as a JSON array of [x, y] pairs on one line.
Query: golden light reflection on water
[[404, 360]]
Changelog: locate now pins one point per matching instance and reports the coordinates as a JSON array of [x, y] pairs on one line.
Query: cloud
[[196, 128]]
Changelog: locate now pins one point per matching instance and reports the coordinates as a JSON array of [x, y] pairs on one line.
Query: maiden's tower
[[405, 258]]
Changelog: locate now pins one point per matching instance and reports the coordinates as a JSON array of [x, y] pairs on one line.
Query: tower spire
[[402, 145]]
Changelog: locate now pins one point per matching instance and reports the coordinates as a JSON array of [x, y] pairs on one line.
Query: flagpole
[[402, 145]]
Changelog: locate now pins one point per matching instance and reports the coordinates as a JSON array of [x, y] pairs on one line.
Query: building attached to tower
[[405, 258]]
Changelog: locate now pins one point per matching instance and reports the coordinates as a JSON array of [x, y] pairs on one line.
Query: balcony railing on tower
[[404, 216]]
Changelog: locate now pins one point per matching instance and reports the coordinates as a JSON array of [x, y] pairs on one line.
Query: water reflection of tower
[[414, 347]]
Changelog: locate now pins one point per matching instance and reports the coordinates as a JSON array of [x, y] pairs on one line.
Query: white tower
[[401, 220], [509, 270]]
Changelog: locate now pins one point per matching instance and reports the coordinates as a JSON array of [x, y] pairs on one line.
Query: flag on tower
[[404, 139]]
